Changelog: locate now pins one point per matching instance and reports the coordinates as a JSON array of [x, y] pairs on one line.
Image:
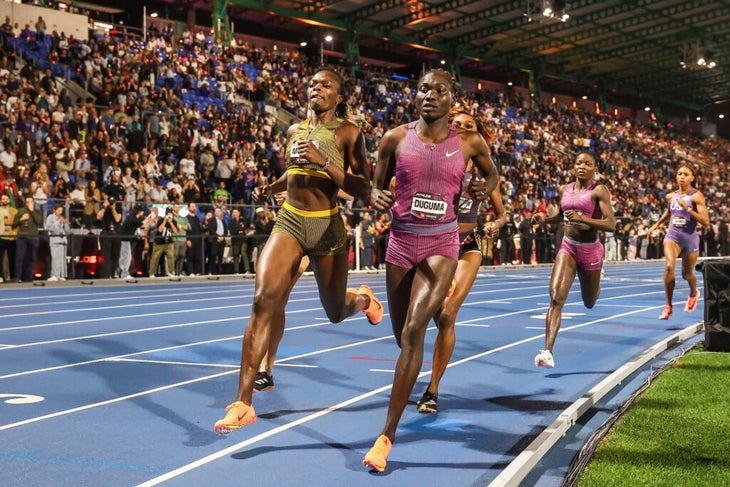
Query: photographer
[[110, 215], [159, 232], [190, 189], [128, 231]]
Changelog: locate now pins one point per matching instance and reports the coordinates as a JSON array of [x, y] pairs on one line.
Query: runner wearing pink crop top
[[428, 158], [585, 206]]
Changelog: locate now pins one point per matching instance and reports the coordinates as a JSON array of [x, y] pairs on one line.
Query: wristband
[[326, 165]]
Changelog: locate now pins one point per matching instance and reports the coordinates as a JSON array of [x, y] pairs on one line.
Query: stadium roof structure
[[611, 48]]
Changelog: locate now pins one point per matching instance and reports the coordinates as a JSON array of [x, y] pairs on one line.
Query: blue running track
[[117, 384]]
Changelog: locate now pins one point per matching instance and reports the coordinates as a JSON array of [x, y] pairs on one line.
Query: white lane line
[[171, 386], [110, 401], [137, 316], [174, 347], [121, 306], [105, 359], [171, 362], [262, 436], [283, 428], [155, 297], [126, 316], [119, 291], [201, 364], [109, 318]]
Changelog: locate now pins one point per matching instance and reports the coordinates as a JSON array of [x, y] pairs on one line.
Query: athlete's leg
[[671, 252], [590, 286], [428, 289], [688, 271], [445, 318], [561, 280], [339, 302], [399, 281], [275, 273], [277, 324]]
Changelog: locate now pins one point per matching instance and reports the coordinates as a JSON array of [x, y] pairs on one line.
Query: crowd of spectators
[[184, 119]]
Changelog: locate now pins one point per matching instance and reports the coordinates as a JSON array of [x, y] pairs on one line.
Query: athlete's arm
[[540, 217], [700, 212], [608, 222], [381, 197], [280, 184], [355, 180], [478, 151], [495, 198]]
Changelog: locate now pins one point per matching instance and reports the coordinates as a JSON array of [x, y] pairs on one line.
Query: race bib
[[465, 204], [578, 225], [429, 206], [294, 152], [679, 221]]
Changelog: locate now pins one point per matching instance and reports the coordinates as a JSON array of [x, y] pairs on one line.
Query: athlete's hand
[[307, 150], [573, 216], [477, 185], [491, 229], [381, 199], [260, 193], [280, 198], [576, 218]]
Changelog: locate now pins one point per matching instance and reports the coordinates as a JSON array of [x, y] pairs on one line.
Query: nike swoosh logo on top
[[449, 154]]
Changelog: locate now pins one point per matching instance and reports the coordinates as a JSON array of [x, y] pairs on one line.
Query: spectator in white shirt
[[187, 164], [8, 157]]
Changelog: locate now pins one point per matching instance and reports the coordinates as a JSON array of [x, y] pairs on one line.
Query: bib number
[[679, 221], [429, 206], [294, 152], [465, 205]]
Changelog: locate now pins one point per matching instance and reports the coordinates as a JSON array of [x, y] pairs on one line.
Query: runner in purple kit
[[687, 208], [585, 205]]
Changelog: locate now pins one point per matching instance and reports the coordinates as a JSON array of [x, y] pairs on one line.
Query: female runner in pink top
[[585, 206]]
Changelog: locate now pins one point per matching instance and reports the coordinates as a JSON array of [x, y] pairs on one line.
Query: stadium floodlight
[[696, 56], [546, 10]]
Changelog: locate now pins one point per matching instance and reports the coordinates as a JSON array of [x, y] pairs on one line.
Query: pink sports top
[[428, 180], [580, 201]]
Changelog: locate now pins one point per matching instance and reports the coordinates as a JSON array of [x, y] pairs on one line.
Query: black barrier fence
[[717, 304], [94, 254], [89, 250], [91, 253]]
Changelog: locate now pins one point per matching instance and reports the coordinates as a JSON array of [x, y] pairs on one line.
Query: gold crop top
[[323, 136]]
